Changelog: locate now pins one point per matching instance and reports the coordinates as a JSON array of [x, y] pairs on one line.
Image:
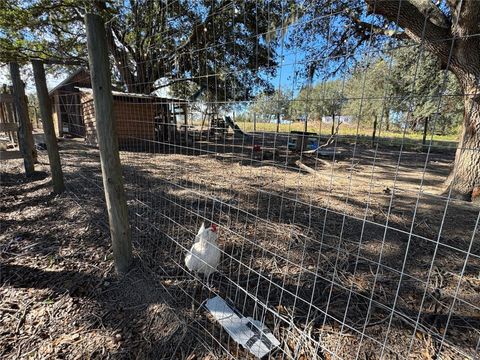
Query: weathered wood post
[[24, 131], [185, 121], [48, 129], [374, 133], [108, 142], [58, 118], [36, 117]]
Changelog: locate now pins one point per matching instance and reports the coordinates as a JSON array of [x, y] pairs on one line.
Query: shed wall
[[88, 110], [133, 120]]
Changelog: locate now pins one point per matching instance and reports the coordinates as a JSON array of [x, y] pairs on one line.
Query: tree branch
[[364, 26], [330, 141], [121, 60], [465, 17], [174, 81], [53, 61], [421, 20], [198, 28], [432, 12]]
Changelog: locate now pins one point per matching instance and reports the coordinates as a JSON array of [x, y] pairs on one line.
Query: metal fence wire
[[340, 242]]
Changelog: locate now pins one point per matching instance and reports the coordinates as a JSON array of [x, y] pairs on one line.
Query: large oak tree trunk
[[453, 40], [464, 179]]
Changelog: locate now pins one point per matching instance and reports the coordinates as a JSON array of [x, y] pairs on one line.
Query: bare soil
[[321, 258]]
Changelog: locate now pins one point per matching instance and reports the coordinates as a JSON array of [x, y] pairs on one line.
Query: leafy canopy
[[322, 99]]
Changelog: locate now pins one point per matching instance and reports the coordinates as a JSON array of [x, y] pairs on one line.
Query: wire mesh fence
[[333, 231]]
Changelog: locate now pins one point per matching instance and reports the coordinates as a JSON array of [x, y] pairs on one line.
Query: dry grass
[[347, 130]]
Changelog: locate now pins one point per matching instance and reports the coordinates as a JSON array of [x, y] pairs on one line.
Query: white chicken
[[204, 255]]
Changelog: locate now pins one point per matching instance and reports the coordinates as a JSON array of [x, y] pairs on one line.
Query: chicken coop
[[137, 116]]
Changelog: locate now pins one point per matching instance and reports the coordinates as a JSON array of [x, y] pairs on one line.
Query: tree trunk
[[452, 42], [278, 123], [48, 127], [425, 130], [464, 179], [333, 124], [413, 124], [25, 136]]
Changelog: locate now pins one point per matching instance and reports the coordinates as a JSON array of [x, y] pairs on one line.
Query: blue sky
[[28, 78]]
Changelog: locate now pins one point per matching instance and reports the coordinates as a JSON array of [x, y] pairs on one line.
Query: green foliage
[[322, 99], [421, 87], [210, 43], [369, 91], [409, 83], [272, 105], [228, 50], [243, 118], [332, 35], [46, 29]]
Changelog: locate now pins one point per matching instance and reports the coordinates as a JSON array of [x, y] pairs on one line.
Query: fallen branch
[[330, 140], [305, 167], [324, 162]]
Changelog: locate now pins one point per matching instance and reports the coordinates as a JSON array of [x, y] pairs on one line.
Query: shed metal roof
[[68, 79], [134, 95]]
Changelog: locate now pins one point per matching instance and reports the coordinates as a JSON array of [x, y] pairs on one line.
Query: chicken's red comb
[[214, 227]]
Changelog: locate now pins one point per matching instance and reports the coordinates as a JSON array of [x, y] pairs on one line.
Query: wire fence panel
[[324, 179]]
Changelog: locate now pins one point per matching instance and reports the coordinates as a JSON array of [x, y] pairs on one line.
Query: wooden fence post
[[374, 134], [48, 129], [36, 117], [185, 121], [108, 142], [25, 131]]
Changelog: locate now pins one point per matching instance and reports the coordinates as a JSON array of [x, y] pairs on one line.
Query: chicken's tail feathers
[[187, 260], [198, 237], [202, 229]]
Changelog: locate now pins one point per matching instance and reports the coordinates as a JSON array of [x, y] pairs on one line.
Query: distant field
[[325, 129], [410, 140]]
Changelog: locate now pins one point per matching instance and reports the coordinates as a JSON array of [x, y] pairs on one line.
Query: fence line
[[343, 248]]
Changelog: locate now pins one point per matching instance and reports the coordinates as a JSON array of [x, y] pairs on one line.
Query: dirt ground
[[60, 297], [355, 260]]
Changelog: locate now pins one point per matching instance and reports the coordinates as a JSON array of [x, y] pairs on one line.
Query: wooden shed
[[139, 117], [66, 107]]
